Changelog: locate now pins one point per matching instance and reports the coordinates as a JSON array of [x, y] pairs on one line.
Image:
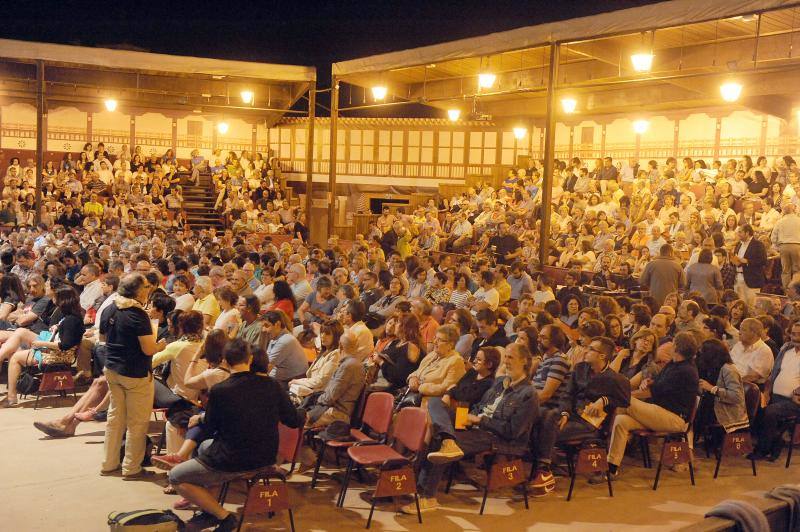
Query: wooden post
[[41, 135], [312, 103], [676, 137], [549, 154], [332, 158]]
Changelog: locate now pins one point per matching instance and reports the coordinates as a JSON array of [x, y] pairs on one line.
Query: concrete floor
[[54, 485]]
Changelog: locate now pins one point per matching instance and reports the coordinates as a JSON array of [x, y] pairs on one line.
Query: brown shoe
[[142, 474], [53, 429]]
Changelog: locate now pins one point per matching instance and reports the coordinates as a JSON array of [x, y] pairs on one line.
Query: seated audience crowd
[[668, 295]]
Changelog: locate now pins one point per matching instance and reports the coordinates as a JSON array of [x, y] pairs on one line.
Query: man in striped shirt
[[549, 383]]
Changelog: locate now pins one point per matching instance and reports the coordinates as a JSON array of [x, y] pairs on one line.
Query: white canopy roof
[[151, 63], [655, 16]]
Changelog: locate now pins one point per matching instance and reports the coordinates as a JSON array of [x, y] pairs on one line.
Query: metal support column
[[332, 158], [41, 136], [549, 155], [312, 104]]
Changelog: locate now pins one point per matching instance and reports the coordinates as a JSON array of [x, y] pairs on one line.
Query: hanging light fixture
[[111, 105], [730, 91], [379, 92], [453, 114], [641, 126], [222, 127], [520, 132], [486, 80], [642, 62], [569, 105], [247, 96]]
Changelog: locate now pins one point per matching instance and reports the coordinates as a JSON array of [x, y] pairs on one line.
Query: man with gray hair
[[786, 238], [296, 276], [341, 394], [751, 355], [205, 302]]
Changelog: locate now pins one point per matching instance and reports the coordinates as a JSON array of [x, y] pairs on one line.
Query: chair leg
[[317, 466], [791, 448], [291, 519], [658, 469], [346, 482], [36, 404], [753, 463], [485, 495], [691, 469], [571, 485], [719, 462], [223, 493], [450, 476], [525, 494], [416, 501], [610, 489], [371, 511]]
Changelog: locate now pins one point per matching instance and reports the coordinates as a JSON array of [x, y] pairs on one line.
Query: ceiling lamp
[[486, 80], [569, 105], [111, 105], [453, 114], [642, 62], [222, 127], [379, 92], [641, 126], [247, 97], [520, 132], [730, 91]]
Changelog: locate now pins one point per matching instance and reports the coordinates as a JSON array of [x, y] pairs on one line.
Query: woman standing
[[705, 278], [130, 344]]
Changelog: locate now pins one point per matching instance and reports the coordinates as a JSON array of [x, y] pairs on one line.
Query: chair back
[[693, 413], [752, 399], [289, 441], [410, 427], [56, 381], [378, 411]]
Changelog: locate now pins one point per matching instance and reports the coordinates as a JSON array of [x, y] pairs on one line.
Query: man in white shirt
[[351, 320], [786, 237], [487, 295], [296, 276], [751, 356], [460, 232], [89, 279], [784, 401]]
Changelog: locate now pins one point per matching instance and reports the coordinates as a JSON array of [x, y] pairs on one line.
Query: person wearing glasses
[[130, 343], [441, 369]]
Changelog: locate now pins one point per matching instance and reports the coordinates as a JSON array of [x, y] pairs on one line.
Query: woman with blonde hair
[[629, 362]]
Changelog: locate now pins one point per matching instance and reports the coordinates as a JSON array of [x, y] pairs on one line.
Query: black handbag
[[28, 381], [406, 398]]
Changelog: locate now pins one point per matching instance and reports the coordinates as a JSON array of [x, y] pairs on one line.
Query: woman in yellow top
[[179, 354], [404, 243]]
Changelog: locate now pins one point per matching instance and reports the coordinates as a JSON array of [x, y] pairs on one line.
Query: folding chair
[[504, 469], [276, 497], [162, 439], [740, 443], [674, 450], [56, 379], [794, 439], [408, 435], [374, 427], [592, 457]]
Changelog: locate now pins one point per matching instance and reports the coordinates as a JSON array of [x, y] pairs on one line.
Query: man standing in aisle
[[786, 238], [750, 259]]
